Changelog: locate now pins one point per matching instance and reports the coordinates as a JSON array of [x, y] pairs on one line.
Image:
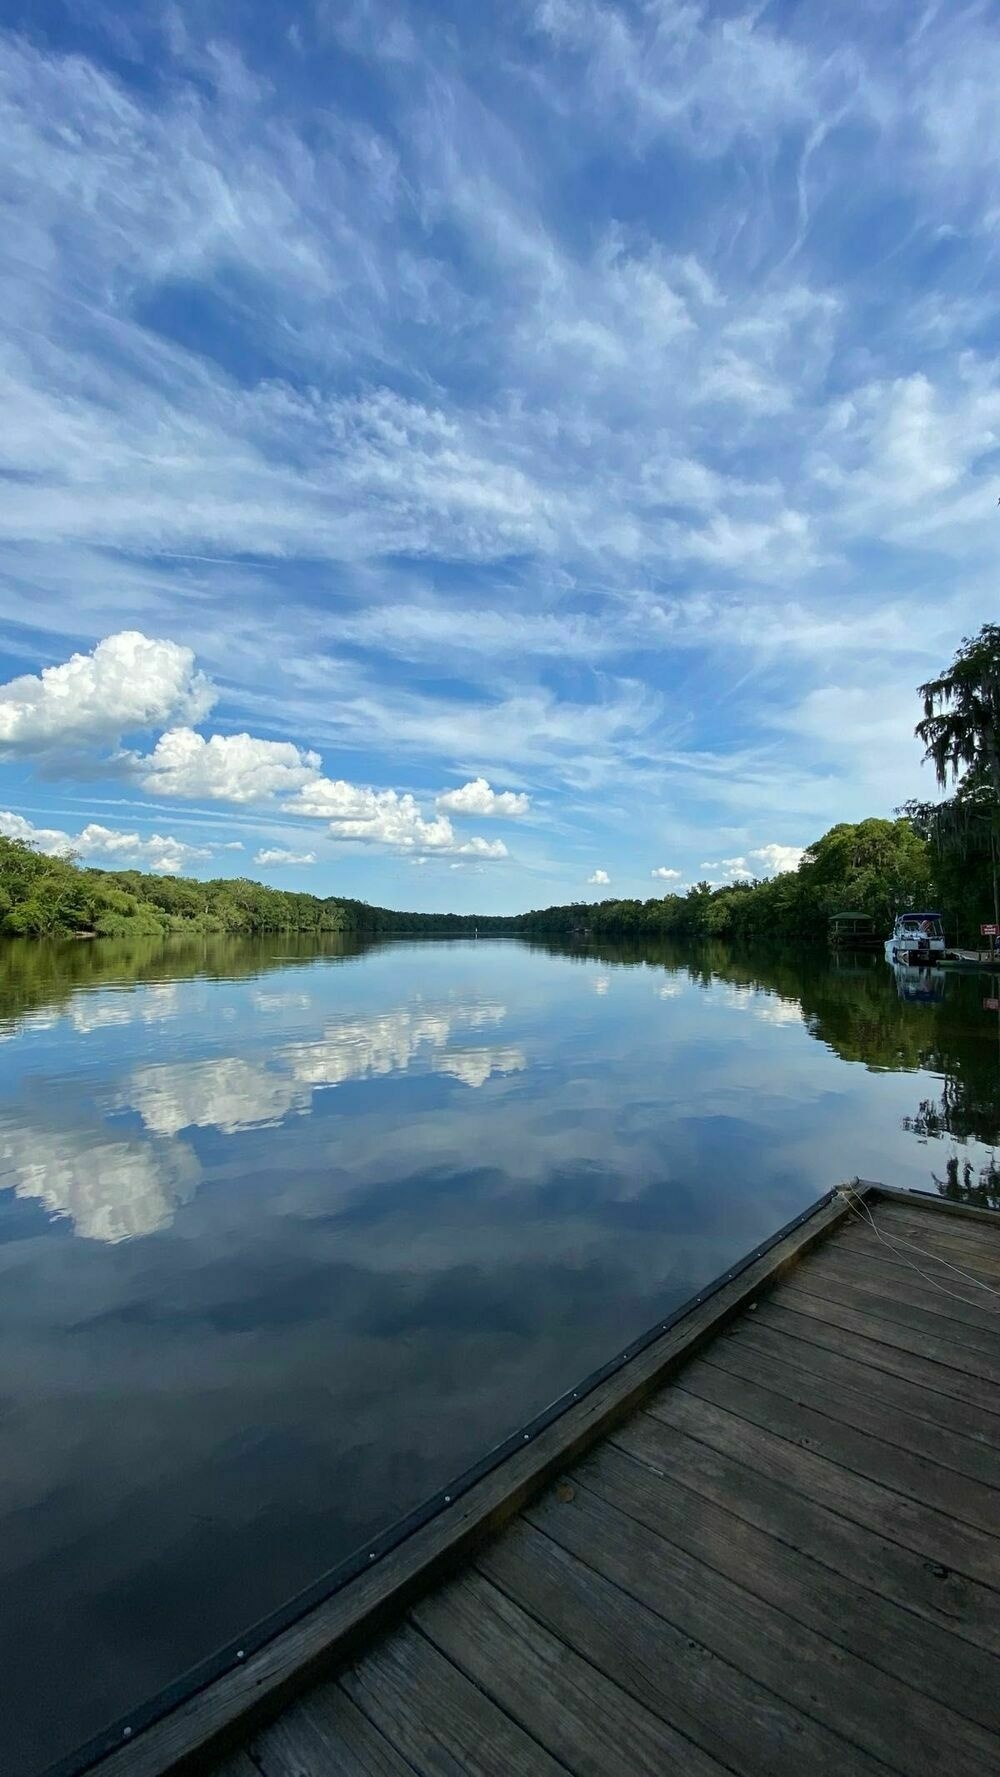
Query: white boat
[[916, 938]]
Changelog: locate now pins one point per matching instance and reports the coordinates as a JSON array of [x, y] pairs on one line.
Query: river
[[292, 1232]]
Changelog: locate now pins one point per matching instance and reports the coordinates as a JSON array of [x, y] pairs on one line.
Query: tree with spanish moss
[[961, 735]]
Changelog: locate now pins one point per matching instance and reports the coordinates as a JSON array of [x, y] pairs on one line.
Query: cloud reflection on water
[[109, 1190], [118, 1190]]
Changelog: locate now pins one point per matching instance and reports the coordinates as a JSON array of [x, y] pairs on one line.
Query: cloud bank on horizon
[[578, 421]]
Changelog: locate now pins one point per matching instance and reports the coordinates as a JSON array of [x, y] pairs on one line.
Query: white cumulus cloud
[[776, 859], [765, 860], [384, 817], [225, 767], [127, 682], [479, 798], [729, 869], [108, 846], [666, 875], [599, 876], [276, 855], [243, 768]]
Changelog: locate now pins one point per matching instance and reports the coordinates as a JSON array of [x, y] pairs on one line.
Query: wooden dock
[[768, 1542]]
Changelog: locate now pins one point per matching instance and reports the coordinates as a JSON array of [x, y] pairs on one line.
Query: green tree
[[961, 733], [873, 866]]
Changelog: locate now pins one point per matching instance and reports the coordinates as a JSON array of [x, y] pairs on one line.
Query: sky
[[476, 457]]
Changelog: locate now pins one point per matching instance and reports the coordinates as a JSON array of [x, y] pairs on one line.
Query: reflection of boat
[[916, 938], [925, 986]]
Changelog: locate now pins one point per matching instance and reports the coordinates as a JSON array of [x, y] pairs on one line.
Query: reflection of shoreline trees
[[853, 1007], [35, 978], [962, 1184], [849, 1004]]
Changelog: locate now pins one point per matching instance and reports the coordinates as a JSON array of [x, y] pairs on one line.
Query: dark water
[[289, 1235]]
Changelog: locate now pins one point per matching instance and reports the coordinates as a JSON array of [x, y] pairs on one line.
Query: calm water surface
[[289, 1236]]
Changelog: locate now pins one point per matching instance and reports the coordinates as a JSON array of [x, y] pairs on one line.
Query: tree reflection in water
[[937, 1021]]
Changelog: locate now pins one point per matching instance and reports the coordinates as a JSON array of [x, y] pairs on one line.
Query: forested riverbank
[[876, 867], [945, 854], [873, 866], [52, 897]]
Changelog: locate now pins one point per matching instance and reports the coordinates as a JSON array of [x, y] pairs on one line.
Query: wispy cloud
[[579, 406]]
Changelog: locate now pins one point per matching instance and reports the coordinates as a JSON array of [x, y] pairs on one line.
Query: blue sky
[[456, 455]]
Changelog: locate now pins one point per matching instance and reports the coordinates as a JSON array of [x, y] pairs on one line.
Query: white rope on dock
[[859, 1209]]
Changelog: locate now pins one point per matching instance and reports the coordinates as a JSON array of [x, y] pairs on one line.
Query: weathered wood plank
[[893, 1284], [859, 1501], [729, 1715], [907, 1249], [580, 1716], [238, 1765], [984, 1235], [868, 1399], [970, 1249], [897, 1376], [709, 1455], [323, 1733], [840, 1464], [927, 1660], [435, 1718], [928, 1203], [257, 1687], [951, 1409], [813, 1673], [956, 1365]]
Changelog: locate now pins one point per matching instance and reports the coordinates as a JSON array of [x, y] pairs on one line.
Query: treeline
[[45, 897], [386, 922], [876, 867]]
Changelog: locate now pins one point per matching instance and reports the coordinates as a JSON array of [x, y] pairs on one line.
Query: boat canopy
[[919, 916]]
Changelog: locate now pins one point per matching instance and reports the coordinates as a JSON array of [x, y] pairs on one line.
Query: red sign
[[989, 931]]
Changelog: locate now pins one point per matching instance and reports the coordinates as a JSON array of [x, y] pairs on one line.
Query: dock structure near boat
[[764, 1540], [853, 931]]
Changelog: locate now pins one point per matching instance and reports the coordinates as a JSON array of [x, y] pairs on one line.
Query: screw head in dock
[[240, 1655], [126, 1733]]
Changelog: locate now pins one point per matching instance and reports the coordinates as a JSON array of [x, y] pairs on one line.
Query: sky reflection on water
[[287, 1240]]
